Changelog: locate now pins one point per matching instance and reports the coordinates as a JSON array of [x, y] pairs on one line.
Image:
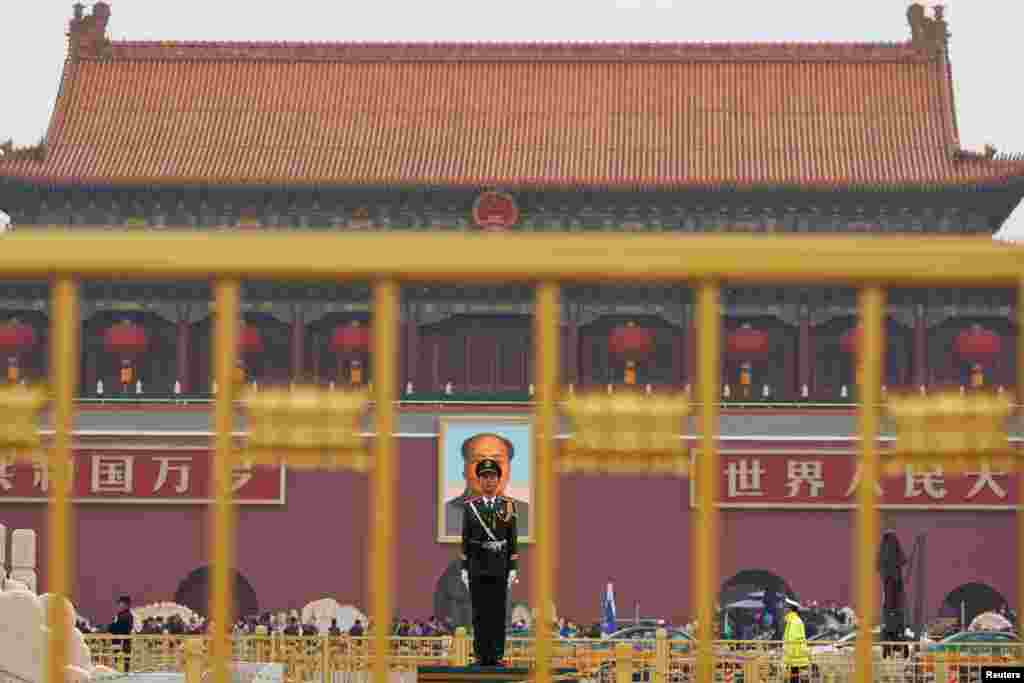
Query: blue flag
[[608, 611]]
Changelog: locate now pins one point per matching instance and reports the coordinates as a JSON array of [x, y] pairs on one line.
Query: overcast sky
[[985, 42]]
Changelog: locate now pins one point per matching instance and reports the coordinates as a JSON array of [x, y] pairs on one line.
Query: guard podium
[[486, 674]]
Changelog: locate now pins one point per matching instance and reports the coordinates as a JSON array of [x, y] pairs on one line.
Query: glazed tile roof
[[565, 115]]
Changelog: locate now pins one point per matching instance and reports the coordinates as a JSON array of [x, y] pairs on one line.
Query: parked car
[[649, 632], [996, 643], [829, 635], [681, 645], [845, 644]]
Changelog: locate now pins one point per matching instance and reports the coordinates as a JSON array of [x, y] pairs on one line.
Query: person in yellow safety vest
[[977, 376], [126, 376], [745, 379], [12, 371], [796, 656]]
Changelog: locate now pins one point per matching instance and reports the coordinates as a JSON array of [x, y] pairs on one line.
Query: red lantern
[[630, 341], [850, 341], [977, 344], [126, 339], [746, 342], [16, 337], [353, 338], [249, 340]]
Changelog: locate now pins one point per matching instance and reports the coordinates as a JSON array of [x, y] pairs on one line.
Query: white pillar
[[23, 557], [23, 549]]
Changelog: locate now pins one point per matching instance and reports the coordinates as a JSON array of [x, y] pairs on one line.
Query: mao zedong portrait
[[474, 449]]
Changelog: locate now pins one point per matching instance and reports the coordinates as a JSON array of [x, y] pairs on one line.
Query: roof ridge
[[988, 153], [518, 51], [531, 43]]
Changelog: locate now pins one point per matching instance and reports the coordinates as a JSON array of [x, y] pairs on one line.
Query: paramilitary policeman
[[489, 562]]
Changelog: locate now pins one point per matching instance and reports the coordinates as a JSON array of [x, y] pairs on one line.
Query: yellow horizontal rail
[[448, 257]]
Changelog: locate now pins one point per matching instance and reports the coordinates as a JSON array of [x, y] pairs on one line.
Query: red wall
[[633, 530]]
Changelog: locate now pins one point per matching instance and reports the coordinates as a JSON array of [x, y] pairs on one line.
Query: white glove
[[513, 577], [465, 578]]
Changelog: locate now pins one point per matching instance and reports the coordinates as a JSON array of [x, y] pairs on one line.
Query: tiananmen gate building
[[677, 138]]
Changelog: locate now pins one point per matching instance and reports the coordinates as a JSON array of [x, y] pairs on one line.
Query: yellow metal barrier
[[545, 260], [344, 659]]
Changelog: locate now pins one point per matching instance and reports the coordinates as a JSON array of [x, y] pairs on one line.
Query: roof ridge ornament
[[87, 34], [988, 154], [931, 33], [36, 152]]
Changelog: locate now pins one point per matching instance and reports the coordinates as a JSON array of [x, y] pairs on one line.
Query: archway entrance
[[194, 593], [970, 600], [755, 580], [745, 619], [451, 597]]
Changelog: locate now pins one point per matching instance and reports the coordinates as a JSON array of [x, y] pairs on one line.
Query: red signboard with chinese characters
[[142, 476], [826, 479]]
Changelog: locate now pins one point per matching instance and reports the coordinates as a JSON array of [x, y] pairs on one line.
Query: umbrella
[[990, 621], [736, 592], [760, 595], [755, 600]]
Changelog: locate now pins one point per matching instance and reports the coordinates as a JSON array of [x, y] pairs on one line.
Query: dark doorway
[[194, 593], [974, 598], [451, 597], [759, 579]]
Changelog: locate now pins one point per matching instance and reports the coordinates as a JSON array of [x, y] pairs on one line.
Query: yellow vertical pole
[[542, 581], [60, 534], [382, 494], [222, 541], [705, 528], [870, 349], [1020, 475]]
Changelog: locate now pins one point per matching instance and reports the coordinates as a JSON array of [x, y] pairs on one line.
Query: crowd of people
[[267, 623], [764, 624], [819, 618]]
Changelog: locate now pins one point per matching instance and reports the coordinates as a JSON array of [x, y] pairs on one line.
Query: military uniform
[[489, 553]]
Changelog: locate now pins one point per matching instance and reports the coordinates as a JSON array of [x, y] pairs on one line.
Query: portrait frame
[[453, 431]]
